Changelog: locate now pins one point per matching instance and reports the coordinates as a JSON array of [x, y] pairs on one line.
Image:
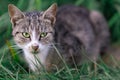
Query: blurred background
[[109, 8]]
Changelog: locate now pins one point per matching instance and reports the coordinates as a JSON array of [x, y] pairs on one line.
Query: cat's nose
[[35, 47]]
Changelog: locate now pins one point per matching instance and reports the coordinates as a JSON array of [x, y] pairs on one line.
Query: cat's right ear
[[14, 13], [50, 13]]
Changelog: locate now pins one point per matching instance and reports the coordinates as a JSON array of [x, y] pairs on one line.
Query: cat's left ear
[[50, 13]]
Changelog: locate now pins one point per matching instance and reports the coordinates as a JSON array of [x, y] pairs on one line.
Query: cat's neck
[[35, 60]]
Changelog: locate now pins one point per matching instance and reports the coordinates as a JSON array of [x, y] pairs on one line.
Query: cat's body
[[76, 34], [81, 34]]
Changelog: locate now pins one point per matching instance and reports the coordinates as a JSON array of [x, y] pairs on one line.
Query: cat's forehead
[[33, 21], [35, 18], [34, 14]]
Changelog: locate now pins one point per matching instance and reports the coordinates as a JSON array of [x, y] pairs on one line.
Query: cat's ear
[[50, 13], [14, 13]]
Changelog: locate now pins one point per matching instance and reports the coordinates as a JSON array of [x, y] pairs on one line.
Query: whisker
[[14, 47], [56, 43], [19, 52]]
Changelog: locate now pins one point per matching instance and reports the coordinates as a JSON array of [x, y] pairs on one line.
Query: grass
[[13, 67]]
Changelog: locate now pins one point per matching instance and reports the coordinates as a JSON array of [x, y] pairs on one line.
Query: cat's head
[[33, 31]]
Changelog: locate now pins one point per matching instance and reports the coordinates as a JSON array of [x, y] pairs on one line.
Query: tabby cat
[[53, 37]]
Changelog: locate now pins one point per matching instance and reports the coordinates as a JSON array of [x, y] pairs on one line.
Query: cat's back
[[75, 27], [73, 30], [71, 9], [72, 15], [74, 20]]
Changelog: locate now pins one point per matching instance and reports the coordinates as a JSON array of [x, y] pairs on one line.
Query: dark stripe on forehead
[[33, 14], [35, 23], [33, 18]]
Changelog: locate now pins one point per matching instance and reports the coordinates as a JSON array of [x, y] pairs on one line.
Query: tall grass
[[11, 69]]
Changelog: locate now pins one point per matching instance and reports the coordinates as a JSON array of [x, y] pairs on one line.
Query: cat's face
[[33, 31]]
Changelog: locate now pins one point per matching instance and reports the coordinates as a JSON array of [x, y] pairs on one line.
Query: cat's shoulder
[[69, 9]]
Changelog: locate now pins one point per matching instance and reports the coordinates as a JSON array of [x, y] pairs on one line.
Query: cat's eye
[[26, 35], [43, 34]]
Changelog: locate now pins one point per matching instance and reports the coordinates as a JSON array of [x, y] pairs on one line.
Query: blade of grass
[[63, 61]]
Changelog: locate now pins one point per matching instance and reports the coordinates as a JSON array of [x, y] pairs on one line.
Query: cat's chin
[[35, 52]]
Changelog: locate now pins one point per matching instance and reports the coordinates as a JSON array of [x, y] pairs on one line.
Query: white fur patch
[[35, 60]]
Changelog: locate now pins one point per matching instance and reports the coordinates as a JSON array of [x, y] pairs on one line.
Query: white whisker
[[14, 47]]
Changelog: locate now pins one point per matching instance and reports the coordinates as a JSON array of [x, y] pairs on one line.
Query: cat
[[53, 37]]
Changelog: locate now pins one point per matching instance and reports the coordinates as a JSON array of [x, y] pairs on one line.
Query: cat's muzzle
[[35, 49]]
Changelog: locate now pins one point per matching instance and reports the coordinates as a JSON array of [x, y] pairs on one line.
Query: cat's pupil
[[26, 35]]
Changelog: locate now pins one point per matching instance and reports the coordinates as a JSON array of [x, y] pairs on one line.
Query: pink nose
[[35, 47]]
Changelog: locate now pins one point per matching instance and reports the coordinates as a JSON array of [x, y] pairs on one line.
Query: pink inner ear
[[49, 16], [14, 19], [50, 13]]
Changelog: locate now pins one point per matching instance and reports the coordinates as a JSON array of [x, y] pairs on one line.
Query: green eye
[[26, 35], [43, 34]]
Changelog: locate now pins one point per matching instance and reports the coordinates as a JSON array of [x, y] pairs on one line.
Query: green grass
[[12, 67]]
